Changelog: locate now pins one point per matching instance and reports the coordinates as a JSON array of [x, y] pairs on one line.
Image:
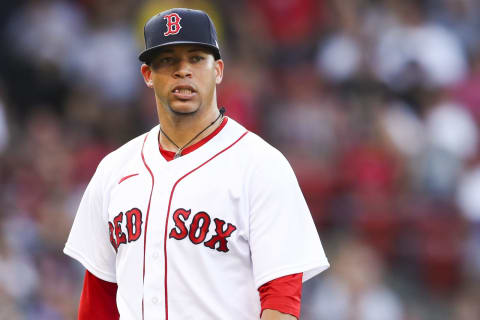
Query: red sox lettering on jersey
[[133, 226], [173, 24], [196, 232]]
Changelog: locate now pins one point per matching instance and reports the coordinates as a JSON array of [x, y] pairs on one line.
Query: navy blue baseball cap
[[179, 26]]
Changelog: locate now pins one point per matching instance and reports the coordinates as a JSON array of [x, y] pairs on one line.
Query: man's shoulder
[[261, 165]]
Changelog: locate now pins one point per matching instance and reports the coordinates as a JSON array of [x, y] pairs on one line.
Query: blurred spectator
[[451, 128], [291, 26], [339, 47], [341, 54], [47, 32], [105, 59], [412, 50], [302, 120], [452, 139], [404, 128], [18, 279], [238, 93], [354, 289]]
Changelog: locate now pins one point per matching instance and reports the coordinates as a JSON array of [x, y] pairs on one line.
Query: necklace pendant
[[178, 154]]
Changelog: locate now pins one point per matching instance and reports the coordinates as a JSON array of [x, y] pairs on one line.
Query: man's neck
[[181, 129]]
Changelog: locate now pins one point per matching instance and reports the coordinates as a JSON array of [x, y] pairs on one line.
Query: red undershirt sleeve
[[283, 294], [98, 299]]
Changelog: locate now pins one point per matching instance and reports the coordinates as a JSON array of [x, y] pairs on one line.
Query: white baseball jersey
[[194, 238]]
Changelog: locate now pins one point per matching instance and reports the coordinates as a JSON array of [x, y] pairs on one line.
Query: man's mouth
[[184, 92]]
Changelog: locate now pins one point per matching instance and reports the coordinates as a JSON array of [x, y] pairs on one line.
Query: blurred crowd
[[376, 104]]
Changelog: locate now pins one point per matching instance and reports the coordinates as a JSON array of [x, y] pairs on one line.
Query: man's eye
[[162, 62], [165, 60], [197, 58]]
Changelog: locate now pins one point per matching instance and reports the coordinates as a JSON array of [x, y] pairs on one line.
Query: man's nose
[[183, 69]]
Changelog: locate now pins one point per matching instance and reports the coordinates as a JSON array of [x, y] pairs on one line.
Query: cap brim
[[147, 55]]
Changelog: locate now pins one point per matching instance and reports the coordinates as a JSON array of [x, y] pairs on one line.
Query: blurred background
[[376, 103]]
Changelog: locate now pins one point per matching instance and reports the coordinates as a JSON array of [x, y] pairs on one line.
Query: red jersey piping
[[168, 213], [146, 219]]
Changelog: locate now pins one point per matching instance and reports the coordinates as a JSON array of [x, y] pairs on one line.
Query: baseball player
[[197, 218]]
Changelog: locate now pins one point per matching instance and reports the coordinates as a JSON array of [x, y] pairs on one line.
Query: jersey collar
[[169, 155]]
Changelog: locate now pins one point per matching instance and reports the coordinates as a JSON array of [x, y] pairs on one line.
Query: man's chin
[[183, 108]]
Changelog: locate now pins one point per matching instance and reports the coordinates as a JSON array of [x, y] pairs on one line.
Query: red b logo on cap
[[173, 24]]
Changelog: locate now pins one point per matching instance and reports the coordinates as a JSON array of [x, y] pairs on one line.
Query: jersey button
[[154, 300], [156, 255]]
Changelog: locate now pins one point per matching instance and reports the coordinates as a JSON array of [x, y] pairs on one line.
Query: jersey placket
[[154, 280], [153, 302]]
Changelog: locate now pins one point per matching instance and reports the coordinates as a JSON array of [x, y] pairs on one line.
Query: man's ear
[[147, 75], [219, 70]]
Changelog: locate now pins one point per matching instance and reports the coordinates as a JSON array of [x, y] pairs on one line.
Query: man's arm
[[276, 315], [98, 299], [280, 298]]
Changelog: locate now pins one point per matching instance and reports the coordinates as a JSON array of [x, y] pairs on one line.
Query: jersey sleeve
[[89, 239], [282, 294], [283, 238], [98, 299]]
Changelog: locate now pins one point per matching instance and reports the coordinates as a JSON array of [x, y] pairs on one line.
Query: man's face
[[184, 78]]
